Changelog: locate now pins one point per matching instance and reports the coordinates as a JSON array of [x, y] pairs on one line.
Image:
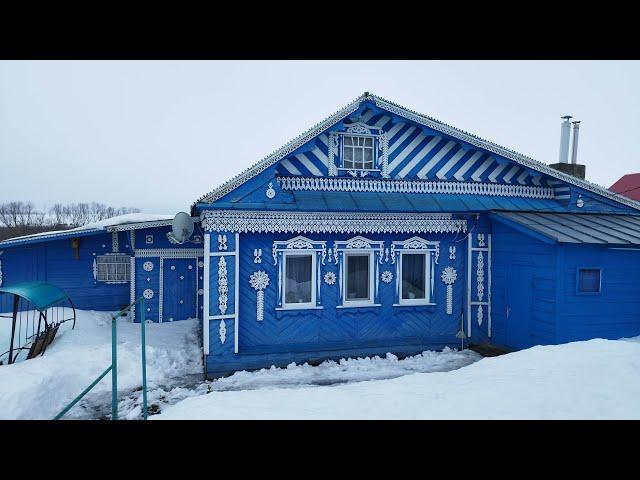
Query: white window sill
[[302, 307], [417, 304], [361, 305]]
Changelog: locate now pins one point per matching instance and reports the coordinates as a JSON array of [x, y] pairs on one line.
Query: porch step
[[488, 350]]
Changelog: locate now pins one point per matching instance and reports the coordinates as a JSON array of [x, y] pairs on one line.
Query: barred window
[[113, 268], [357, 152]]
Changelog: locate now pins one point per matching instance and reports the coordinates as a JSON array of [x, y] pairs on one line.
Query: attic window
[[358, 152]]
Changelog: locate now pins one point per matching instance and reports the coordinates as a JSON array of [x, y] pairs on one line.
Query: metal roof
[[41, 294], [421, 119], [579, 227], [46, 236], [401, 202]]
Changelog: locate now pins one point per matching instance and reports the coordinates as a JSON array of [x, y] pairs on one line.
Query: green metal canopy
[[41, 294]]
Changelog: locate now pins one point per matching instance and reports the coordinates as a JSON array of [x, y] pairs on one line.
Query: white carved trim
[[147, 266], [115, 244], [259, 280], [205, 313], [222, 242], [452, 252], [483, 274], [387, 276], [222, 331], [449, 276], [329, 278], [345, 184], [161, 291], [298, 243], [223, 286], [169, 252], [132, 288], [257, 255], [270, 193], [236, 311], [480, 276], [418, 244], [326, 222]]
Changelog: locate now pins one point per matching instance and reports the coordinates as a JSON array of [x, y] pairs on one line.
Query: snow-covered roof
[[419, 118], [92, 228]]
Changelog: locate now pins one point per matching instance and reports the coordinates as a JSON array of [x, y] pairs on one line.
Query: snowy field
[[598, 379]]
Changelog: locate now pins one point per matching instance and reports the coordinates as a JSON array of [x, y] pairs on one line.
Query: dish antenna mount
[[181, 228]]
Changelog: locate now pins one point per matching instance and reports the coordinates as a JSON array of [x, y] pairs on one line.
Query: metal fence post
[[114, 369], [144, 359]]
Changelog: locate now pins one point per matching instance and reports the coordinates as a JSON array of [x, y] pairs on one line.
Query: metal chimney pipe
[[574, 147], [565, 130]]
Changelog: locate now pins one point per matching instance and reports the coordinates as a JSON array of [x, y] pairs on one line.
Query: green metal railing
[[113, 368]]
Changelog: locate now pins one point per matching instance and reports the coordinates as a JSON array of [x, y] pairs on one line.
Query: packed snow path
[[597, 379]]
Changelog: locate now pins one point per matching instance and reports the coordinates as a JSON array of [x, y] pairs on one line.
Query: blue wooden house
[[378, 230]]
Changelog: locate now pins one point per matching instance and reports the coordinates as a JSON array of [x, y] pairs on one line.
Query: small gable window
[[589, 281], [358, 152]]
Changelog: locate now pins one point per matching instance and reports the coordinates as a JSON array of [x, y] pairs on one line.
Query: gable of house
[[407, 155]]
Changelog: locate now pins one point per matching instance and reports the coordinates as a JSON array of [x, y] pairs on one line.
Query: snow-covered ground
[[592, 380], [39, 388], [597, 379]]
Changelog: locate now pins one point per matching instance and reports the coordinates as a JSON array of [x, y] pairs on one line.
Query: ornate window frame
[[359, 129], [359, 245], [413, 245], [299, 246]]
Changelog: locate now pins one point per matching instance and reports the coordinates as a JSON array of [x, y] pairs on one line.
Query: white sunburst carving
[[449, 277], [329, 278], [259, 280], [386, 276]]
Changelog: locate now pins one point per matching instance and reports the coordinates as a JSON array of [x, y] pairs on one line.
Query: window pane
[[368, 155], [589, 280], [348, 157], [357, 277], [348, 141], [358, 158], [298, 281], [413, 276], [369, 142]]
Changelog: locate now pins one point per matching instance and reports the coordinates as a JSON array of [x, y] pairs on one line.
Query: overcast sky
[[158, 135]]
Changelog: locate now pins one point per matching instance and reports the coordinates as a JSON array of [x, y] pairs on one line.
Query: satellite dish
[[181, 228]]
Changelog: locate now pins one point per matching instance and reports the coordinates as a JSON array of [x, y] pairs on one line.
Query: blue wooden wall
[[524, 280], [54, 261], [615, 312], [286, 335]]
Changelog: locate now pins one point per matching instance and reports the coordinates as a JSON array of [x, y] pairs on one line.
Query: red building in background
[[628, 185]]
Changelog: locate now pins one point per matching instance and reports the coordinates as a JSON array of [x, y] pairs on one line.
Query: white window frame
[[374, 156], [299, 245], [427, 277], [415, 245], [314, 285], [359, 302], [125, 261]]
